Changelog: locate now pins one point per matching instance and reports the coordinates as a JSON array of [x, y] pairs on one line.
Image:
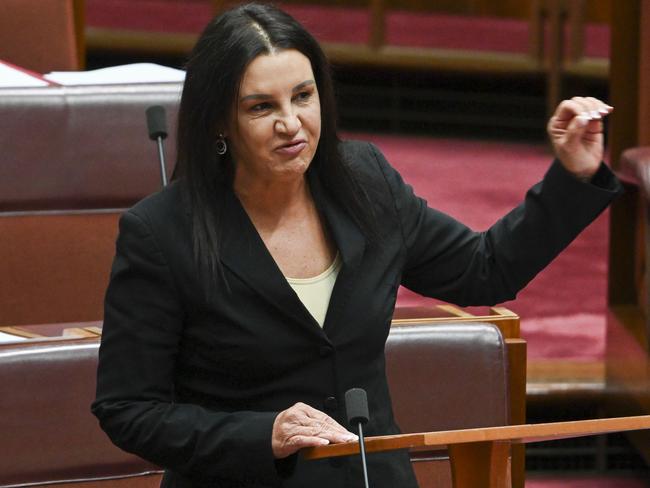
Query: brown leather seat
[[48, 432], [445, 377], [81, 147], [62, 192]]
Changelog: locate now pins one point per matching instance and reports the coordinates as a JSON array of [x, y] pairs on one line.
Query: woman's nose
[[288, 123]]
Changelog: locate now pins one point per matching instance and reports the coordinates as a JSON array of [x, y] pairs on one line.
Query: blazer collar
[[244, 253]]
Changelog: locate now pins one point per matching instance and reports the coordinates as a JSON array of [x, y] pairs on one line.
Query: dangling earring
[[222, 147]]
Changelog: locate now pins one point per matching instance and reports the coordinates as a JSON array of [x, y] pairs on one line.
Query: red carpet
[[563, 308]]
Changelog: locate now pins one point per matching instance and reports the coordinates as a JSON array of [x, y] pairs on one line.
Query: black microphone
[[356, 407], [157, 132]]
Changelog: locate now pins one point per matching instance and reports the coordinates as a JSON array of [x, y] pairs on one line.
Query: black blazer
[[192, 379]]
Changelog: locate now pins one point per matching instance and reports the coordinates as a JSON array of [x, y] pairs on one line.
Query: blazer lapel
[[244, 253], [351, 243]]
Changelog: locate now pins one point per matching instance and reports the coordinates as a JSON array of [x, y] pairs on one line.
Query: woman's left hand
[[576, 132]]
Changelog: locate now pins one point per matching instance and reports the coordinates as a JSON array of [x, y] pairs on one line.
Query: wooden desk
[[479, 457], [50, 332]]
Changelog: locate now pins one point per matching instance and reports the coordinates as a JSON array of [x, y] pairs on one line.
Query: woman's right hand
[[303, 426]]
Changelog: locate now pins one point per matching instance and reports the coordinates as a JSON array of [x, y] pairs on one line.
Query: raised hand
[[576, 132], [303, 426]]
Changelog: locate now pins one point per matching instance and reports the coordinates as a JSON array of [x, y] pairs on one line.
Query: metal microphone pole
[[356, 406], [362, 447], [161, 157], [157, 132]]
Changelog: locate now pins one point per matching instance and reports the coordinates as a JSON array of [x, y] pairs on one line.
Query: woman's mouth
[[292, 148]]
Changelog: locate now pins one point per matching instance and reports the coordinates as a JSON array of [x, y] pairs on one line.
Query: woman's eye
[[303, 96], [260, 107]]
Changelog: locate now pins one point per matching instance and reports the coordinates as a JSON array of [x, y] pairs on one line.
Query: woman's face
[[276, 125]]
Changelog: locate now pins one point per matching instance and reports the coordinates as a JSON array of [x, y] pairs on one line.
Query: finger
[[577, 128], [317, 415], [568, 109], [325, 427], [326, 431], [300, 441], [321, 431], [598, 106], [292, 444], [589, 107], [304, 419]]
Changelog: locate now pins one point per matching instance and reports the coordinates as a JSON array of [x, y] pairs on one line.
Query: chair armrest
[[635, 168]]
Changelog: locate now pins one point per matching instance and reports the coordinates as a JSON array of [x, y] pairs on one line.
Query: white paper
[[128, 73], [7, 338], [11, 77]]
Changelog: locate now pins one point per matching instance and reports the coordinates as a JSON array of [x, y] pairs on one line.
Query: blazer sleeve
[[135, 383], [447, 260]]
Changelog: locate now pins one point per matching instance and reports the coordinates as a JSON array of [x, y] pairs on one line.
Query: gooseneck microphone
[[356, 407], [157, 132]]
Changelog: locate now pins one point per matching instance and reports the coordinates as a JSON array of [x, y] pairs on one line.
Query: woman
[[257, 288]]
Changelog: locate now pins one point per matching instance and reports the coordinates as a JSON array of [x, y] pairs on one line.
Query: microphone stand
[[356, 406], [362, 447], [157, 132], [161, 157]]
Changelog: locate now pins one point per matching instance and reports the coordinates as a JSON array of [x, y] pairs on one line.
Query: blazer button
[[326, 351], [331, 404]]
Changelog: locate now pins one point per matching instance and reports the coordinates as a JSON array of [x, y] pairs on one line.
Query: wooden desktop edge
[[517, 434]]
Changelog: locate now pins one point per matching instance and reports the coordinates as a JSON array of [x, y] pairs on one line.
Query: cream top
[[315, 292]]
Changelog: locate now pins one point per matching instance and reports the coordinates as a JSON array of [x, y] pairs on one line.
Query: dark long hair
[[214, 72]]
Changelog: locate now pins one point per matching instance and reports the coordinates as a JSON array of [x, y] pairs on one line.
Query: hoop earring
[[221, 145]]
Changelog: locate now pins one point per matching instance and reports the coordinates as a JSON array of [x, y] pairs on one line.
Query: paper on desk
[[7, 338], [13, 77], [115, 75]]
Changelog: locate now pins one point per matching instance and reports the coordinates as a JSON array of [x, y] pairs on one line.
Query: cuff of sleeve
[[603, 179], [260, 433], [285, 467], [270, 468]]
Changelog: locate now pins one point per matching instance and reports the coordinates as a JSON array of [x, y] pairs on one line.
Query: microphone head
[[156, 122], [356, 406]]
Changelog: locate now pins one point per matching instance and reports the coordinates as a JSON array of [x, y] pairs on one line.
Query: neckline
[[336, 264]]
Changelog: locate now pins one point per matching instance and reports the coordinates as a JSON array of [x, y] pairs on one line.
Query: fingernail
[[583, 119], [595, 115], [324, 442], [352, 438], [603, 111]]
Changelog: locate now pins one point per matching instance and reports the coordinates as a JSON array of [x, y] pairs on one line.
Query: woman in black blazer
[[259, 286]]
